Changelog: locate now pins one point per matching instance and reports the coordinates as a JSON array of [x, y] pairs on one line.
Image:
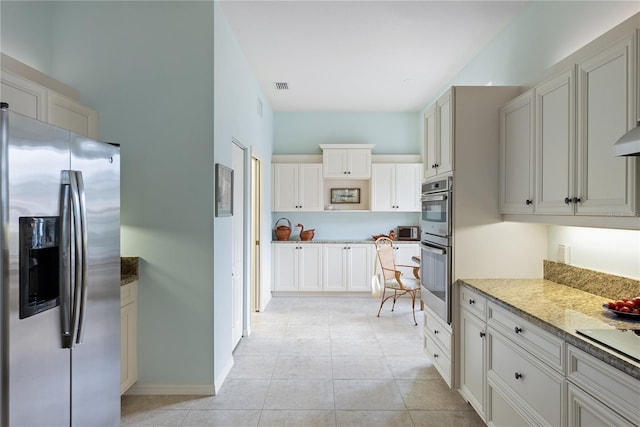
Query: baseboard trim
[[172, 389], [223, 374]]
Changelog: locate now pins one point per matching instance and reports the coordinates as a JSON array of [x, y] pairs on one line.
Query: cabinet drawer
[[547, 347], [473, 302], [612, 387], [585, 410], [435, 330], [439, 357], [538, 388], [128, 293]]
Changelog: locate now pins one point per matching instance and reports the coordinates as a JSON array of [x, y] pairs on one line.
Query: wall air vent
[[281, 85]]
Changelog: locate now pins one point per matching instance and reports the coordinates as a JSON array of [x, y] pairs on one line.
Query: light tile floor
[[320, 361]]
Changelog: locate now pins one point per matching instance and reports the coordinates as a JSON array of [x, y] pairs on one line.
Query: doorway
[[256, 232], [238, 244]]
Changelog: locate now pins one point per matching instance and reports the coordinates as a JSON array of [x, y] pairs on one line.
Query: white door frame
[[245, 221]]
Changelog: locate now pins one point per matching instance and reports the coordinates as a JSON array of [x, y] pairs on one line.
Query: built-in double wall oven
[[436, 245]]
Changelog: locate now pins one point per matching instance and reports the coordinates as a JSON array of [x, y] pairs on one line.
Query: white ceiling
[[362, 55]]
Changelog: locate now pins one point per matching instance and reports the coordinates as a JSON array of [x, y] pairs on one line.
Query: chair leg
[[395, 297], [382, 300], [413, 307], [421, 305]]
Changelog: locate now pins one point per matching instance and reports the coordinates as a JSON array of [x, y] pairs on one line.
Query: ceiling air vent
[[281, 85]]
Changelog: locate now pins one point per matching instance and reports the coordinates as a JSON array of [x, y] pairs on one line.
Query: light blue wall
[[236, 118], [301, 132], [27, 32], [148, 69], [392, 133]]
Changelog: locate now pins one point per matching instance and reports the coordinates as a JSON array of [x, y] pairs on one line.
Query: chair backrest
[[384, 249]]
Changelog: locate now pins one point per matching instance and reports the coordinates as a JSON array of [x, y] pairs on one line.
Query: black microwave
[[408, 232]]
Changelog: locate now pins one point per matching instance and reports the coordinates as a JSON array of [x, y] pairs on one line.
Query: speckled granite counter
[[128, 270], [560, 310], [343, 241]]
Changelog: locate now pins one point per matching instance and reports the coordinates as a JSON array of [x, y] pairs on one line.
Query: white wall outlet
[[564, 253]]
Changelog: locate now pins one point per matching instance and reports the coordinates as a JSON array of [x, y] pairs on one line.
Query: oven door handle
[[434, 198], [433, 249]]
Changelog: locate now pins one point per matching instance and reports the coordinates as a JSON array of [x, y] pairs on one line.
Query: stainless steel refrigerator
[[60, 270]]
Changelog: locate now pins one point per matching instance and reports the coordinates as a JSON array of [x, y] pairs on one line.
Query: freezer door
[[95, 359], [39, 368]]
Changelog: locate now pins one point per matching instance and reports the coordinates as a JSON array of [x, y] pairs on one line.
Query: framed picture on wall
[[224, 190], [345, 195]]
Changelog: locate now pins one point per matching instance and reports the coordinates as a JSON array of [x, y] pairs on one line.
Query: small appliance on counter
[[408, 232]]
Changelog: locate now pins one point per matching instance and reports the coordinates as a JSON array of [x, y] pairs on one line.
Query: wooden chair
[[393, 278]]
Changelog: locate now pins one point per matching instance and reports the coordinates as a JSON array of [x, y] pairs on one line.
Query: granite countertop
[[341, 241], [128, 270], [560, 310]]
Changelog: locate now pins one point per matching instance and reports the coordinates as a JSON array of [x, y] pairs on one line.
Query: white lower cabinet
[[438, 344], [521, 375], [347, 266], [600, 394], [128, 335], [473, 350], [297, 267], [537, 390]]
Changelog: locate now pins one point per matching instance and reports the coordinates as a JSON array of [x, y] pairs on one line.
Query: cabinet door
[[128, 346], [334, 162], [383, 187], [408, 187], [310, 187], [334, 261], [285, 187], [285, 267], [430, 143], [517, 155], [359, 163], [359, 267], [23, 96], [310, 267], [444, 114], [555, 145], [403, 254], [606, 107], [473, 360], [68, 114]]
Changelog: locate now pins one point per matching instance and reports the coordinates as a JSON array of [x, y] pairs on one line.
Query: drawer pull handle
[[482, 334], [435, 331], [518, 375], [472, 301], [517, 329], [435, 356]]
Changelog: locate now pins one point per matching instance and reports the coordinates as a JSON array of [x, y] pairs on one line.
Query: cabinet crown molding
[[347, 146]]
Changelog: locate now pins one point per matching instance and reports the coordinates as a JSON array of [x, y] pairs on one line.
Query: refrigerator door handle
[[65, 258], [82, 219], [72, 241]]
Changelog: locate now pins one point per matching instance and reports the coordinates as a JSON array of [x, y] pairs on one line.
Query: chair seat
[[409, 283]]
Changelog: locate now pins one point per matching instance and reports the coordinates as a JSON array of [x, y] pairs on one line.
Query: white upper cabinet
[[438, 137], [23, 96], [517, 155], [68, 114], [40, 97], [396, 187], [346, 161], [606, 185], [555, 144], [297, 187]]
